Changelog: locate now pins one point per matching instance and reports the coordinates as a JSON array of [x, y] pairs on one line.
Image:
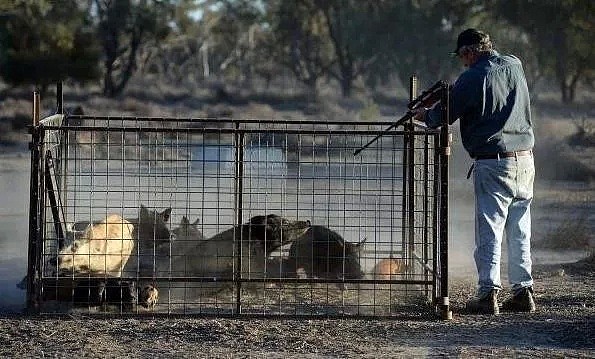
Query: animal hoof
[[149, 296]]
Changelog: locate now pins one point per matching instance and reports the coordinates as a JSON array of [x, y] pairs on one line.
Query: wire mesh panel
[[229, 217]]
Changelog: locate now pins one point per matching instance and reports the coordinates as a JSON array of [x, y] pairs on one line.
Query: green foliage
[[44, 42], [300, 40], [183, 17], [562, 32], [350, 26], [123, 26], [233, 31], [350, 39], [419, 37]]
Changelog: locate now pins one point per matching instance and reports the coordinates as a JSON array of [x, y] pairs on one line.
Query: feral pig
[[188, 230], [172, 256], [140, 241], [150, 227], [104, 248], [152, 241], [388, 268], [170, 259], [150, 232], [150, 236], [254, 241], [323, 253], [216, 257]]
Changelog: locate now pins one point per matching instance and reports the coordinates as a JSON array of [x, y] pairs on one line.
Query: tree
[[182, 54], [562, 32], [419, 35], [349, 25], [233, 29], [44, 42], [123, 26], [299, 41]]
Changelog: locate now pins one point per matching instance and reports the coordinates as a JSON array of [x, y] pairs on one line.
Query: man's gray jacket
[[492, 100]]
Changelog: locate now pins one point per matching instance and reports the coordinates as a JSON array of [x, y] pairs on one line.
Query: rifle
[[426, 99]]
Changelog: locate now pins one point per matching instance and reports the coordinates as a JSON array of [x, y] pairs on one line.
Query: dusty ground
[[563, 326]]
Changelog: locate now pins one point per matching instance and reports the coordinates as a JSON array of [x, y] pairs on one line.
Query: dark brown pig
[[323, 253]]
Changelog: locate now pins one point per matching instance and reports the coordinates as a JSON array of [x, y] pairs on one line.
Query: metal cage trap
[[228, 217]]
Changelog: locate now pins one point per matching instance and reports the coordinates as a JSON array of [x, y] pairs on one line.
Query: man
[[492, 101]]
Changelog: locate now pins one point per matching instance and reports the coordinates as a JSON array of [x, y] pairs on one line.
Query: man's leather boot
[[488, 304], [522, 301]]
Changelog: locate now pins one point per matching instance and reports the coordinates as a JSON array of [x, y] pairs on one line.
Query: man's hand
[[420, 114]]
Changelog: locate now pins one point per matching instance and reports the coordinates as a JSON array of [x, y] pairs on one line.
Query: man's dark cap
[[470, 37]]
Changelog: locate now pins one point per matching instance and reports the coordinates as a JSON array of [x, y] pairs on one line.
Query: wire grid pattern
[[215, 175]]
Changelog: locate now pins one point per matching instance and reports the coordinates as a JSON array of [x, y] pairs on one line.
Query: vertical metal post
[[411, 182], [32, 299], [425, 211], [36, 108], [405, 171], [238, 192], [435, 219], [59, 98], [444, 158], [60, 154]]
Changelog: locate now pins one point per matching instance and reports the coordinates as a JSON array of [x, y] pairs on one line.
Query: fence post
[[32, 297], [444, 158], [410, 192], [60, 162], [239, 189], [59, 98]]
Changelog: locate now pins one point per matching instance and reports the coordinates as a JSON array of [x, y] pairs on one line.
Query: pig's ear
[[185, 221], [196, 222]]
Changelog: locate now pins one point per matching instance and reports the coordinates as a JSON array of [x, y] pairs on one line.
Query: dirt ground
[[562, 327]]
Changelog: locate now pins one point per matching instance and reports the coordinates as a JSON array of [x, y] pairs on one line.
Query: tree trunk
[[564, 91], [312, 84], [346, 86]]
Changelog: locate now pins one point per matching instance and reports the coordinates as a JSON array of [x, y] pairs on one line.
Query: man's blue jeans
[[503, 194]]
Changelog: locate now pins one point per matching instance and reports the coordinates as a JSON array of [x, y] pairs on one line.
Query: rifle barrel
[[430, 96], [399, 122]]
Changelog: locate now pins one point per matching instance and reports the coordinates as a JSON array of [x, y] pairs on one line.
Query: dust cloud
[[461, 212], [14, 202]]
